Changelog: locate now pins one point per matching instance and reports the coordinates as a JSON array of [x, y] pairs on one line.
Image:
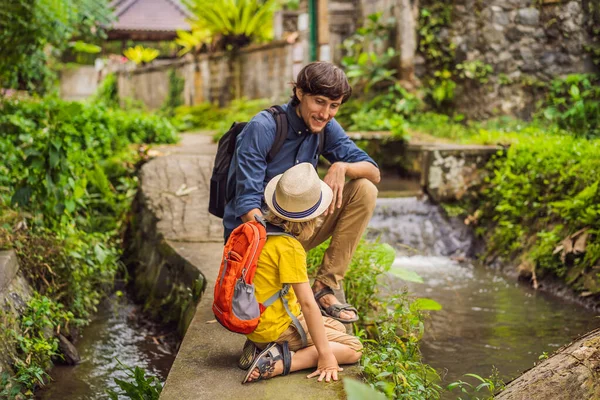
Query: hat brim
[[327, 196]]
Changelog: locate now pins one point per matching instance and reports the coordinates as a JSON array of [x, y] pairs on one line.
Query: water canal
[[487, 319], [119, 331]]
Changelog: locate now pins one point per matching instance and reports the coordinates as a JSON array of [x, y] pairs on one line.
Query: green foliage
[[193, 41], [434, 18], [539, 191], [138, 386], [175, 95], [53, 146], [211, 117], [356, 390], [483, 389], [442, 88], [438, 51], [390, 329], [107, 92], [68, 177], [363, 65], [36, 344], [574, 104], [233, 23], [35, 32], [475, 70], [386, 111]]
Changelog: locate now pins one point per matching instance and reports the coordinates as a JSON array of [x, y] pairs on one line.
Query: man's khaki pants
[[345, 226]]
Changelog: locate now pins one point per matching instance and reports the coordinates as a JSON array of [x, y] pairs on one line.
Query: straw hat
[[298, 194]]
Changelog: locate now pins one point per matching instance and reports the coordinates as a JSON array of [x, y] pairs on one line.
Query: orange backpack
[[235, 305]]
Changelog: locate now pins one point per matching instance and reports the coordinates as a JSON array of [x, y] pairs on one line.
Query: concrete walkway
[[177, 185]]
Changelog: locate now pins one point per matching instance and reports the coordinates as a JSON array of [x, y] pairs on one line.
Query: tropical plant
[[136, 386], [366, 63], [34, 33], [140, 54], [192, 41], [233, 23]]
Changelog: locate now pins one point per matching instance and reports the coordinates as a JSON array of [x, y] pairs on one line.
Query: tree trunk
[[573, 372], [407, 15]]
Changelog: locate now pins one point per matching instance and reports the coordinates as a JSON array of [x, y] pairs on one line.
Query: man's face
[[316, 111]]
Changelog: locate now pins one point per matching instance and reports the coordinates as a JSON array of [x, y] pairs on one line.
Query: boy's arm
[[327, 366]]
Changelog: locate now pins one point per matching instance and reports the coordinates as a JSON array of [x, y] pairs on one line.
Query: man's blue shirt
[[249, 172]]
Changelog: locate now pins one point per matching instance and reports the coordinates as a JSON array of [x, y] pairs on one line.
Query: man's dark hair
[[322, 79]]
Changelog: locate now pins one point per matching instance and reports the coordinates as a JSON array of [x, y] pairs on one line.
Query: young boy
[[295, 199]]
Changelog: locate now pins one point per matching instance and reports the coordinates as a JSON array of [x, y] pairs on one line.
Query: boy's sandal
[[266, 360], [249, 353], [334, 310]]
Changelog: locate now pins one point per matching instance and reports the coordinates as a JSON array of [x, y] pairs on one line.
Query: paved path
[[177, 184]]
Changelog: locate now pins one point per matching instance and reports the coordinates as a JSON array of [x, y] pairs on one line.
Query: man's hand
[[336, 178], [327, 367]]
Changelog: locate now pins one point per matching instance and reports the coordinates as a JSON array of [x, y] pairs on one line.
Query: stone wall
[[526, 42], [15, 292], [255, 72]]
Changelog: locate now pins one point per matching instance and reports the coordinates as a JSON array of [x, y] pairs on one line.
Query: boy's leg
[[346, 348], [334, 330], [345, 226]]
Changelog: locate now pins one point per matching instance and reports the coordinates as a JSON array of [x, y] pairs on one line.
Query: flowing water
[[117, 332], [487, 319]]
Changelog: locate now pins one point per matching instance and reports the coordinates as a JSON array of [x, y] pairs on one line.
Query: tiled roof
[[150, 15]]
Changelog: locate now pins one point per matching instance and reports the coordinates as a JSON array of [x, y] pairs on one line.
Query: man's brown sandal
[[334, 311]]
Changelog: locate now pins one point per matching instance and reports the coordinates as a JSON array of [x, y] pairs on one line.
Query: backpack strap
[[281, 295], [281, 128], [273, 230], [321, 143]]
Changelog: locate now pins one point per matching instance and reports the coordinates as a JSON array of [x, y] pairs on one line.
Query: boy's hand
[[327, 367]]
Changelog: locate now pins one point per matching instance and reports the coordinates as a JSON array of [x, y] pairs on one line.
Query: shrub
[[67, 176], [574, 104], [390, 328], [211, 117], [540, 191]]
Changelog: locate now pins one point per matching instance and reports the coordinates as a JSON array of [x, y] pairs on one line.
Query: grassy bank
[[67, 174]]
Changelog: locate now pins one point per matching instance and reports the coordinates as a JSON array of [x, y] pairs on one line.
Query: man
[[320, 90]]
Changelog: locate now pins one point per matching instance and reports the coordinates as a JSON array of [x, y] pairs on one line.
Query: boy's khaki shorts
[[335, 331]]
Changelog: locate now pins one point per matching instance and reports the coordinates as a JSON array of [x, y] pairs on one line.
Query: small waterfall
[[416, 226]]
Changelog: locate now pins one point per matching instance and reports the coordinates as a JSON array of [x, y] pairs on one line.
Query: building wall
[[256, 72], [78, 83]]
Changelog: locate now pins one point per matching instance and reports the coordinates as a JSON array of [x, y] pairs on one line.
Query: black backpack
[[225, 149]]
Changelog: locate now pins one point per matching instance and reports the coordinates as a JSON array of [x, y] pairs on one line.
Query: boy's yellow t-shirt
[[282, 260]]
